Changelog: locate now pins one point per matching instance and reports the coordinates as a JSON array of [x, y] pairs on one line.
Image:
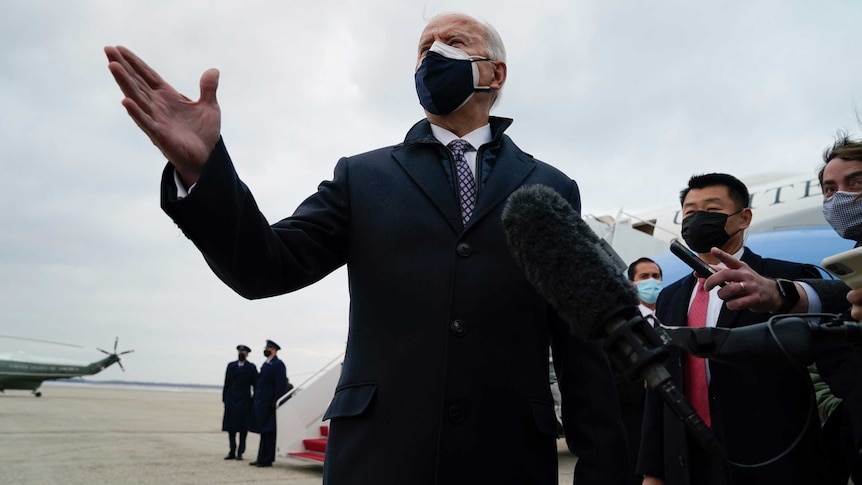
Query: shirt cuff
[[181, 189], [814, 303]]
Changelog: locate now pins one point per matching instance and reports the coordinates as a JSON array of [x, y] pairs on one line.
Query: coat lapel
[[420, 156], [681, 302], [511, 167], [421, 161], [728, 318]]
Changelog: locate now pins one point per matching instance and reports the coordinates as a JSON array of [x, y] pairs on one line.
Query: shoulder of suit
[[779, 268]]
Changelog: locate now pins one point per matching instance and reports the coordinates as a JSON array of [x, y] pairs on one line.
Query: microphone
[[578, 275], [783, 337]]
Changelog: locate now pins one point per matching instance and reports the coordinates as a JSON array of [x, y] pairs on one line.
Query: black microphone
[[796, 338], [574, 270]]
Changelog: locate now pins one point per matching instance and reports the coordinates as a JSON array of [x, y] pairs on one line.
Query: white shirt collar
[[475, 138]]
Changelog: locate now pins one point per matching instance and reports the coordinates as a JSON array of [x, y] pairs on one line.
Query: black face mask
[[447, 78], [241, 357], [267, 352], [704, 230]]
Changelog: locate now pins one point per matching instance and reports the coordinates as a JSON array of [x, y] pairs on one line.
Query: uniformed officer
[[239, 380]]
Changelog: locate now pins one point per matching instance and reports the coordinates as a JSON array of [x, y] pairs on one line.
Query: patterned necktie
[[466, 183], [696, 386]]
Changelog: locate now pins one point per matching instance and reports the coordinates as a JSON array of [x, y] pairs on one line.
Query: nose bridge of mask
[[455, 53], [649, 283]]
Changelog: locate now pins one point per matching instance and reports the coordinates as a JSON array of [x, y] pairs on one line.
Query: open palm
[[185, 131]]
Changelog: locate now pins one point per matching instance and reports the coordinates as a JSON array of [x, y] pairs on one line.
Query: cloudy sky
[[628, 97]]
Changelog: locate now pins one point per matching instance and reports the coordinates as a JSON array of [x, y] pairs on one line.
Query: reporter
[[840, 366]]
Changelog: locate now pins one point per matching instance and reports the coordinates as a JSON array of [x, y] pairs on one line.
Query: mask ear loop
[[476, 87]]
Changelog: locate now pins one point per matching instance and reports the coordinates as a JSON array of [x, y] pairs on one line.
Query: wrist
[[788, 295]]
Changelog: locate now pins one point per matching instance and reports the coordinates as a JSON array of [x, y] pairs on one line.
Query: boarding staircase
[[301, 434], [314, 448]]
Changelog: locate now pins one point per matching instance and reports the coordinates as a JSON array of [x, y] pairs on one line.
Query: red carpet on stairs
[[315, 448]]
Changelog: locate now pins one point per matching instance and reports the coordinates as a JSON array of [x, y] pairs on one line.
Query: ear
[[745, 216], [499, 79]]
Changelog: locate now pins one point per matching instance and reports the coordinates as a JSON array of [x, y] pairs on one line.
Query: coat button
[[459, 328], [463, 249], [456, 413]]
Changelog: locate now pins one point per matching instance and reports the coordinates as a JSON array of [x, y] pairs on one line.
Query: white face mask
[[844, 213]]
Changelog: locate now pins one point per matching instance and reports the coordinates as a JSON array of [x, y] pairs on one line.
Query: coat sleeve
[[254, 375], [651, 448], [224, 388], [832, 294], [221, 217], [591, 414], [280, 381]]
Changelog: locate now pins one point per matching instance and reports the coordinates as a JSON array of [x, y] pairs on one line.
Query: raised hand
[[745, 289], [185, 131]]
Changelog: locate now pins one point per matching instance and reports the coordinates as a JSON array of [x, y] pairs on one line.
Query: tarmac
[[85, 434]]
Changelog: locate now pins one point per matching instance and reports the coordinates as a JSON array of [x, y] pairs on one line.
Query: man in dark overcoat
[[239, 379], [271, 385], [445, 377]]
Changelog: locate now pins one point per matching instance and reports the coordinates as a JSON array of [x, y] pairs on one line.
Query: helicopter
[[29, 375]]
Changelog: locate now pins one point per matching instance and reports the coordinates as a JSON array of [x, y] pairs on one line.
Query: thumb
[[209, 85]]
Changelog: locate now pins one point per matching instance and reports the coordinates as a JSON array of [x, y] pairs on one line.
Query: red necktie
[[696, 387]]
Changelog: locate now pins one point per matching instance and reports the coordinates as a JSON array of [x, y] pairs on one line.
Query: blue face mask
[[447, 78], [648, 290], [844, 213]]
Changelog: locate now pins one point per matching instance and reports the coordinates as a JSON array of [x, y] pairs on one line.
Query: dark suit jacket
[[445, 377], [757, 410], [236, 396], [840, 367], [271, 385]]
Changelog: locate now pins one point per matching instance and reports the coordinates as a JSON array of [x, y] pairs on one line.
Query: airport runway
[[77, 434]]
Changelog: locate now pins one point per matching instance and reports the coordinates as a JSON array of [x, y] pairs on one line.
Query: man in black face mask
[[755, 411], [448, 341], [239, 379], [272, 384]]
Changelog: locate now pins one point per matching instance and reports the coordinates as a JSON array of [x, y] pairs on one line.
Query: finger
[[733, 291], [142, 119], [719, 278], [727, 259], [147, 73], [209, 85], [130, 82]]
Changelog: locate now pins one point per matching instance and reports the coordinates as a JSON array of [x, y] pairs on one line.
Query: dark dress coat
[[236, 396], [445, 376], [757, 410], [271, 385]]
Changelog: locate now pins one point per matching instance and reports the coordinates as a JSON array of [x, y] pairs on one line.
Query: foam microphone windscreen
[[565, 260]]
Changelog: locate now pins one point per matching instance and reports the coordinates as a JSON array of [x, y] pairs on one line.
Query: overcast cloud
[[628, 98]]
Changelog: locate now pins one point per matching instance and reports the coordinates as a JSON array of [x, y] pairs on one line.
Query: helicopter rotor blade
[[42, 341], [126, 352], [103, 351]]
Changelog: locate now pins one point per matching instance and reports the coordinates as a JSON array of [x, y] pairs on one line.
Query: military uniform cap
[[270, 343], [243, 348]]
